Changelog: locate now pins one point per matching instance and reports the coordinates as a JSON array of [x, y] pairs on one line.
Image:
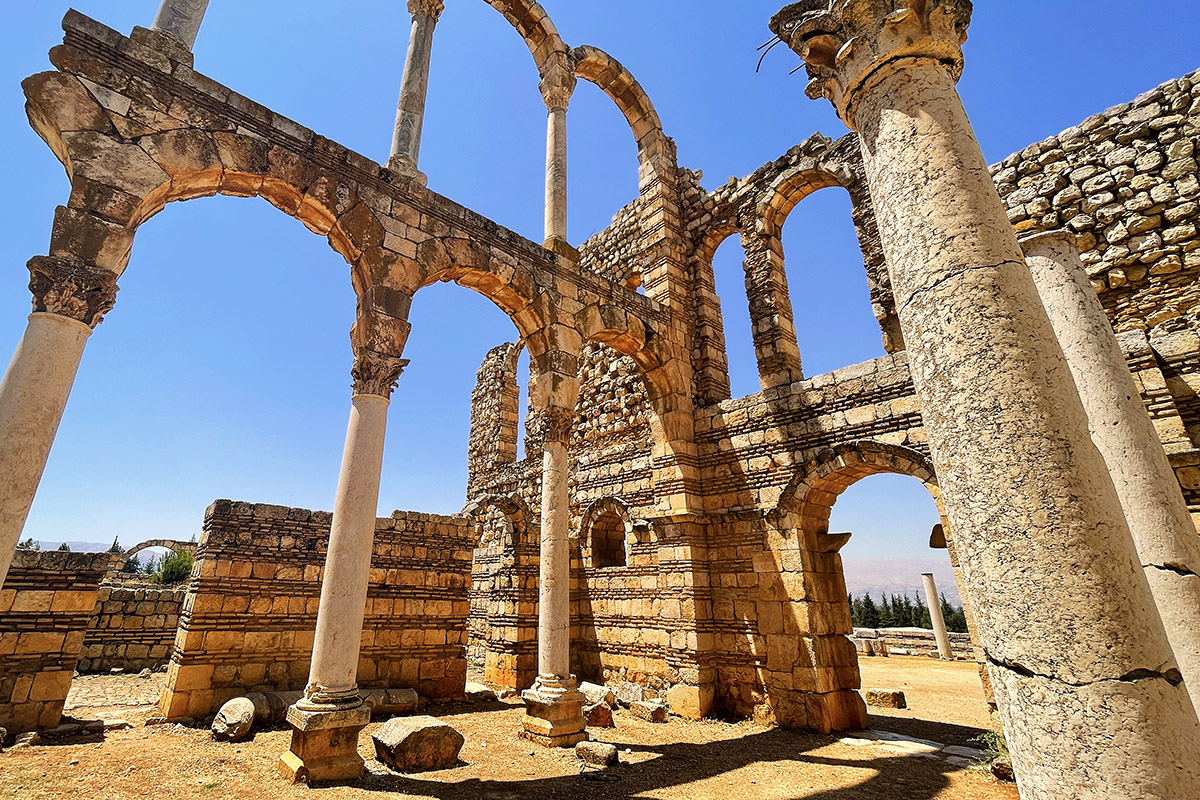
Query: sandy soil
[[676, 760]]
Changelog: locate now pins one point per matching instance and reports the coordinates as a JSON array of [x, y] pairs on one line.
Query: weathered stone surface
[[234, 720], [598, 694], [651, 711], [885, 698], [599, 716], [417, 744], [598, 754], [478, 693]]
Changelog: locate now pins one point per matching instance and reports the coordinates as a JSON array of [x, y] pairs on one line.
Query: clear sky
[[224, 369]]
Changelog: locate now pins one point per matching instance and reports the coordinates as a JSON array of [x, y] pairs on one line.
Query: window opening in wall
[[608, 541], [729, 274], [827, 283], [523, 378]]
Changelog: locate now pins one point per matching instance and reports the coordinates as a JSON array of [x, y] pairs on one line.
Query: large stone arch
[[594, 65], [170, 544], [536, 29]]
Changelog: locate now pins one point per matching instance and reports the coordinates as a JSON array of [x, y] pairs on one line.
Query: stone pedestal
[[554, 714], [324, 745]]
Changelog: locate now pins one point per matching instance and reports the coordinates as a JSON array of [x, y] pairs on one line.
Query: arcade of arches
[[659, 531]]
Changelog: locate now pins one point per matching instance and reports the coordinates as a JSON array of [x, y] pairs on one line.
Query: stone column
[[558, 84], [554, 706], [1157, 514], [327, 720], [181, 19], [69, 301], [1092, 702], [935, 615], [414, 88]]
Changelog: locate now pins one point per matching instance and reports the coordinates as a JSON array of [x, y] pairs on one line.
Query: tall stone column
[[554, 706], [1157, 514], [557, 86], [1092, 702], [936, 617], [414, 88], [69, 301], [181, 19], [327, 720]]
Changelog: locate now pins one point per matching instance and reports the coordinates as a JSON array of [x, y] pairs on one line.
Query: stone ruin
[[661, 534]]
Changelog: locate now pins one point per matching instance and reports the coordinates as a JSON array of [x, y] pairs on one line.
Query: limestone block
[[649, 710], [597, 754], [417, 744], [598, 715], [233, 721], [598, 694], [885, 698]]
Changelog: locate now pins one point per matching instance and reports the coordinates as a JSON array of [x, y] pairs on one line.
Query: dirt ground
[[680, 759]]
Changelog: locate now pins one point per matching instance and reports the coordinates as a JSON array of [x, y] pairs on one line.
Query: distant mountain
[[878, 576], [78, 547]]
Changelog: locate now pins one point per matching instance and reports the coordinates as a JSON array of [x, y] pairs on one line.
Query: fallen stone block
[[596, 693], [649, 710], [478, 693], [234, 720], [629, 693], [30, 739], [417, 744], [116, 725], [598, 716], [597, 754], [885, 698]]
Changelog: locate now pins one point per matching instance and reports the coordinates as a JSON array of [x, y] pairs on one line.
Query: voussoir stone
[[417, 744], [234, 720]]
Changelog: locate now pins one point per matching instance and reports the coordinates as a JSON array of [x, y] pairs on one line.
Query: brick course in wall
[[133, 628], [45, 606], [250, 613]]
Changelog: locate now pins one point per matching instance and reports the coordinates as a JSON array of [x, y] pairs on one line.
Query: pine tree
[[29, 544], [64, 547], [116, 546], [133, 566], [887, 615], [870, 613]]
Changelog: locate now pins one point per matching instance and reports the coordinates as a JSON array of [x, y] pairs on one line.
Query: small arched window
[[608, 540]]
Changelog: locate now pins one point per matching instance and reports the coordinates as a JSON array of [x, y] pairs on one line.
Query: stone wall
[[249, 617], [911, 642], [45, 606], [133, 628]]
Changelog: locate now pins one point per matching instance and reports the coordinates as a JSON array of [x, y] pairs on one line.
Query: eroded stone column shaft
[[936, 616], [414, 89], [1040, 530], [554, 592], [556, 175], [181, 19], [1157, 514], [333, 676], [69, 300]]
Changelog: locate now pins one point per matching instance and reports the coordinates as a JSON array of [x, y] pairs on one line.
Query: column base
[[324, 745], [562, 248], [401, 166], [554, 714]]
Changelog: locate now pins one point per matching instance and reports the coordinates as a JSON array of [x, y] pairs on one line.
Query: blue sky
[[224, 369]]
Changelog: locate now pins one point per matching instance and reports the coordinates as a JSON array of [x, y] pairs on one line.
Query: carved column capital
[[844, 43], [78, 291], [376, 374], [430, 8], [557, 86], [557, 423]]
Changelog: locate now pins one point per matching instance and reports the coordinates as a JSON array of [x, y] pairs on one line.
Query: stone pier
[[1099, 705]]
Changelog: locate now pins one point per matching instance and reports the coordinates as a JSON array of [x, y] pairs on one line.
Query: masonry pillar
[[69, 301], [1092, 702], [414, 88], [1158, 517], [554, 706], [558, 84], [181, 19], [936, 616], [327, 720]]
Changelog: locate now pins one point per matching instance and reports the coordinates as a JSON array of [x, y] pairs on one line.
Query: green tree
[[174, 568], [870, 613], [133, 566], [64, 547], [116, 547], [29, 544], [887, 614]]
